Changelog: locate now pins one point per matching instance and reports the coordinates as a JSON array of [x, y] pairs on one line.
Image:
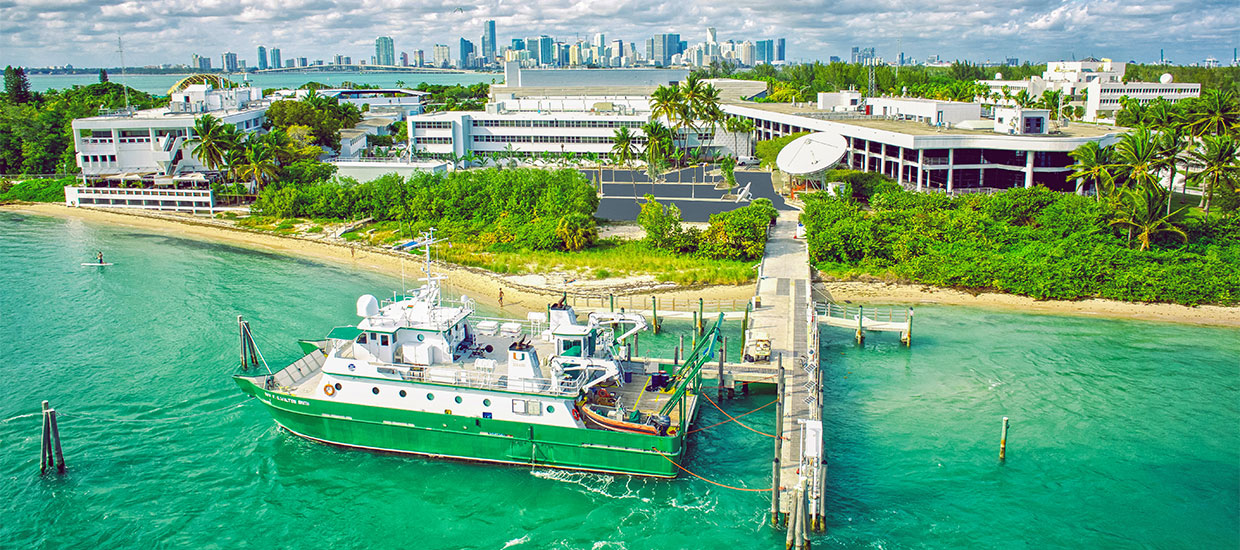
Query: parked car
[[747, 161]]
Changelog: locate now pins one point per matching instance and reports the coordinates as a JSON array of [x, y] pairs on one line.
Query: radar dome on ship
[[1166, 78], [367, 306]]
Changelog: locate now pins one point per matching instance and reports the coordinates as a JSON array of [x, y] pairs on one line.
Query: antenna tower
[[872, 91], [120, 48]]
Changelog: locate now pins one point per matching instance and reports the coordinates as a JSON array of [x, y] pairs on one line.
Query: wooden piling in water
[[723, 350], [861, 324], [612, 302], [680, 348], [45, 444], [745, 327], [60, 457], [701, 318], [654, 313], [792, 539], [1003, 440], [779, 440]]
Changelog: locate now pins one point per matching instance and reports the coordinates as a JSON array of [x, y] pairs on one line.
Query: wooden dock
[[863, 319]]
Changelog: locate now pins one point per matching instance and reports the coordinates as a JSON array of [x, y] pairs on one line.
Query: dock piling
[[654, 314], [745, 327], [861, 324], [50, 454], [1003, 440], [701, 329], [723, 350]]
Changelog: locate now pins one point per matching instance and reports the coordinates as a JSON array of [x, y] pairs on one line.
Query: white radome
[[998, 76], [1166, 78]]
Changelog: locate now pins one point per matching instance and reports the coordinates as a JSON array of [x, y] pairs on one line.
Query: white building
[[910, 147], [151, 143], [139, 159], [1095, 84], [531, 122]]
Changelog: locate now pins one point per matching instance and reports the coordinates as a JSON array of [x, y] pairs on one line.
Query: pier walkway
[[784, 292]]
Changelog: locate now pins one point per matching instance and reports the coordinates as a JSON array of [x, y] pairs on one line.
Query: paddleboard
[[84, 264]]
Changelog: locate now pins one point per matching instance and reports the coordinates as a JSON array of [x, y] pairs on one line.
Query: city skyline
[[84, 33]]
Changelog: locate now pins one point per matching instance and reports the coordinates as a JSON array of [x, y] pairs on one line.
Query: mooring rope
[[733, 419], [687, 471], [722, 422]]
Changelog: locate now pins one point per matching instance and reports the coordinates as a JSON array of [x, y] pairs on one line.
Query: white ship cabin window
[[383, 339], [526, 407], [361, 338]]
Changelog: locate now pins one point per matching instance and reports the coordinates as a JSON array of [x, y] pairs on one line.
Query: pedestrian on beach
[[99, 256], [501, 297]]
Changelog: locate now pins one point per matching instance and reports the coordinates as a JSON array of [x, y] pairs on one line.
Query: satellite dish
[[367, 306], [998, 76], [1166, 78]]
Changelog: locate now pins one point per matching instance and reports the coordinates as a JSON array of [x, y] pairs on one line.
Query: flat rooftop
[[1074, 129], [164, 113]]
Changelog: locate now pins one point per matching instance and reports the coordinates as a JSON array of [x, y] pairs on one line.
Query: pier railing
[[863, 318], [663, 303]]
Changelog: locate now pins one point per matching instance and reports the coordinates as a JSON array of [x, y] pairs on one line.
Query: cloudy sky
[[84, 32]]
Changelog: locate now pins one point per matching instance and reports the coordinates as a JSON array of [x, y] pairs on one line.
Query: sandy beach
[[531, 293]]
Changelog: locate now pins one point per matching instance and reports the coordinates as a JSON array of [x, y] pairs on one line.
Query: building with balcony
[[148, 149]]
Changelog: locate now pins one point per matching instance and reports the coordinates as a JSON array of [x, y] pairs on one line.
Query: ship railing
[[480, 380], [532, 327]]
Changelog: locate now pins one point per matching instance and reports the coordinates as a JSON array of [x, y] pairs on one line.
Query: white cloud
[[84, 32]]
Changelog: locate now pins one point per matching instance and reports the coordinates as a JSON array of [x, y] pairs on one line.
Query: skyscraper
[[779, 50], [229, 62], [599, 41], [274, 60], [441, 55], [488, 40], [465, 55], [385, 51], [201, 63], [262, 58], [665, 46], [710, 35], [404, 59], [765, 51]]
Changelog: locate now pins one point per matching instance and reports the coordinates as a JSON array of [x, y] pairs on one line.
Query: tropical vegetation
[[1033, 242]]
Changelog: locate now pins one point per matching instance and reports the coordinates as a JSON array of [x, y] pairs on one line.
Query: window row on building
[[547, 139], [510, 123], [434, 140]]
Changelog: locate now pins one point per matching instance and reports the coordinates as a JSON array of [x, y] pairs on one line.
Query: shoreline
[[483, 286]]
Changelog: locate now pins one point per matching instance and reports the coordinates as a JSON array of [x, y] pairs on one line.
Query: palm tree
[[1215, 112], [282, 147], [1023, 99], [1092, 165], [1138, 158], [624, 146], [257, 163], [1132, 113], [1218, 157], [1141, 213], [211, 141], [1053, 100], [1171, 143], [738, 127], [668, 103]]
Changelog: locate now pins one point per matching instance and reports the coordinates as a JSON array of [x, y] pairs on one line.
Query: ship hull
[[470, 438]]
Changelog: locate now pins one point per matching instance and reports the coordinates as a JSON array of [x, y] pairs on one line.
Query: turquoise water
[[158, 84], [1124, 434]]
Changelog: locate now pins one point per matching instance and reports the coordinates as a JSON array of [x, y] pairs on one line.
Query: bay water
[[1124, 434], [158, 84]]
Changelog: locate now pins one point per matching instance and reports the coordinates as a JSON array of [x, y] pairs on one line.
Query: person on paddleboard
[[99, 256]]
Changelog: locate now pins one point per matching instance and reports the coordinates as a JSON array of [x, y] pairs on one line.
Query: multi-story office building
[[863, 56], [229, 62], [780, 52], [765, 51], [262, 58], [201, 63], [488, 41], [274, 59], [665, 46], [465, 53], [303, 62], [418, 59], [441, 56], [385, 51], [1097, 85], [404, 59], [746, 53]]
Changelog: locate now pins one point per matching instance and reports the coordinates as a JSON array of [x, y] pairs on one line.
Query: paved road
[[623, 191]]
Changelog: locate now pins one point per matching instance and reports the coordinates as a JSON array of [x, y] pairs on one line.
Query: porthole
[[550, 409], [430, 397], [486, 402], [421, 337], [458, 399], [338, 386], [375, 390], [402, 393]]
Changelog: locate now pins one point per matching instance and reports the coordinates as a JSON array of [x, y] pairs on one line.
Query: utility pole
[[120, 48]]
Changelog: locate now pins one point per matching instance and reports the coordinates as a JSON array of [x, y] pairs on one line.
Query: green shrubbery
[[735, 235], [521, 208], [1033, 242], [41, 190]]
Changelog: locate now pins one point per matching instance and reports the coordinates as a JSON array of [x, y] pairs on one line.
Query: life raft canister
[[329, 390]]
